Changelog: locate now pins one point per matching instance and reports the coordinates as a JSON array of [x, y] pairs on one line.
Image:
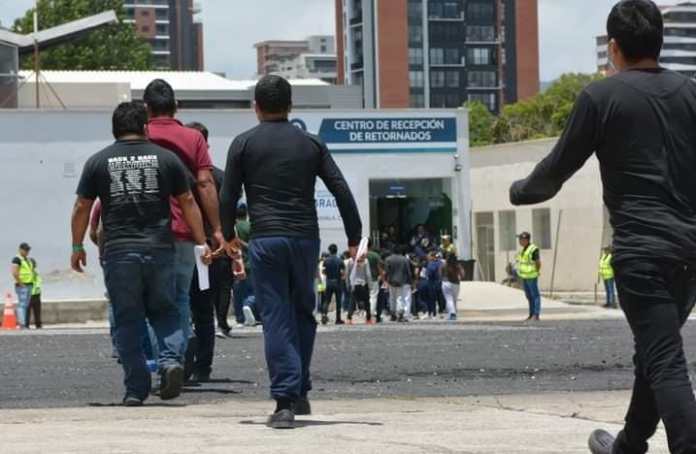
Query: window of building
[[417, 100], [438, 101], [480, 12], [162, 29], [415, 34], [162, 14], [481, 56], [416, 79], [452, 100], [415, 56], [480, 33], [487, 99], [507, 221], [437, 79], [452, 56], [451, 10], [437, 56], [482, 79], [452, 79], [435, 10], [541, 227]]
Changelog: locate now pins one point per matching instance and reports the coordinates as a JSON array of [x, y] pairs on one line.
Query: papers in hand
[[201, 268], [362, 252]]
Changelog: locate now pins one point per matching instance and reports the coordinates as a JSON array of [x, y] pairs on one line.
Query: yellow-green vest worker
[[526, 265], [26, 270], [606, 271], [38, 282]]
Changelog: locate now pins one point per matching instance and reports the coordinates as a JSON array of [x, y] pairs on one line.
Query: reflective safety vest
[[526, 267], [26, 271], [605, 268], [36, 288]]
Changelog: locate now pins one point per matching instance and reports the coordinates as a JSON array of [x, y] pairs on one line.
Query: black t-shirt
[[134, 180], [333, 266], [642, 125]]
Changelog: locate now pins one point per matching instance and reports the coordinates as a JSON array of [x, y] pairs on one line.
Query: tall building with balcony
[[679, 49], [171, 28], [439, 53], [312, 58]]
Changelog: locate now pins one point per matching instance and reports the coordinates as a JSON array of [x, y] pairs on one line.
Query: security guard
[[23, 274], [528, 267], [606, 272]]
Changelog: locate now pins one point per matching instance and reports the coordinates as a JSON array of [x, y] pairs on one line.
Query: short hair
[[333, 249], [200, 127], [638, 28], [159, 97], [273, 94], [129, 118]]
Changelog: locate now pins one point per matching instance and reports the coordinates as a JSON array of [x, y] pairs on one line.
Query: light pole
[[36, 52]]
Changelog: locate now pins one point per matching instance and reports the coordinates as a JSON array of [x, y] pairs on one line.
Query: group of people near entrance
[[639, 123], [393, 282]]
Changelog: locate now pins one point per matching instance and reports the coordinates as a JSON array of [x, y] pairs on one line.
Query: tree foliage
[[481, 122], [115, 47], [543, 115]]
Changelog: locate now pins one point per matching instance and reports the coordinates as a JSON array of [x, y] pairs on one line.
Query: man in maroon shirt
[[190, 146]]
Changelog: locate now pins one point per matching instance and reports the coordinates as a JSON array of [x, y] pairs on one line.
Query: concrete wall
[[74, 96], [582, 230]]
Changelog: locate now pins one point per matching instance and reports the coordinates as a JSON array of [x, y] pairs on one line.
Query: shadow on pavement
[[311, 423], [147, 404]]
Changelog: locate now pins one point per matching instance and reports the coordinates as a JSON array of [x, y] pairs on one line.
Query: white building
[[310, 66], [679, 50]]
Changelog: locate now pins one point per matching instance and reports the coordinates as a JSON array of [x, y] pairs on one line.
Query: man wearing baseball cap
[[23, 275], [528, 267]]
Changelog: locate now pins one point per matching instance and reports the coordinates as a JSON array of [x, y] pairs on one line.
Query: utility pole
[[36, 52]]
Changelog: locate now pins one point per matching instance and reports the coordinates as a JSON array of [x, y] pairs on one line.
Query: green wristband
[[78, 248]]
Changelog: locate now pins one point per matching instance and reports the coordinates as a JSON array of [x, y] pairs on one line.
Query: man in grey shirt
[[399, 276]]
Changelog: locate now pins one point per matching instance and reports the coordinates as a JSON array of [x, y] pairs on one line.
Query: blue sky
[[567, 30]]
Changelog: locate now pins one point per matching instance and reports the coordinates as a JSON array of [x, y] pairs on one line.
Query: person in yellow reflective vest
[[528, 267], [606, 272], [23, 274], [35, 300]]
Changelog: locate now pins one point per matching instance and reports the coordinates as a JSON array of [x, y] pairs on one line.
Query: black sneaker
[[601, 442], [282, 419], [199, 377], [324, 319], [393, 318], [172, 380], [302, 407], [132, 401], [340, 322]]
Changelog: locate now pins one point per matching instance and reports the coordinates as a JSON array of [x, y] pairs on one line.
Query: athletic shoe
[[249, 319], [199, 377], [282, 419], [221, 334], [601, 442], [132, 401], [393, 318], [171, 381], [302, 407], [340, 322], [324, 319]]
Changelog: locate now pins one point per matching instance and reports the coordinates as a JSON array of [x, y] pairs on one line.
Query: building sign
[[327, 209]]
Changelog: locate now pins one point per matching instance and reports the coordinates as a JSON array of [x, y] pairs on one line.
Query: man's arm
[[208, 196], [79, 223], [537, 259], [15, 273], [192, 216], [231, 190], [335, 182], [577, 143]]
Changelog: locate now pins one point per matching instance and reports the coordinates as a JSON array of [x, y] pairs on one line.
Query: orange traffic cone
[[9, 317]]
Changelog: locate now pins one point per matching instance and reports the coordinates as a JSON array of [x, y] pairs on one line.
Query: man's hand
[[207, 257], [78, 260], [218, 240]]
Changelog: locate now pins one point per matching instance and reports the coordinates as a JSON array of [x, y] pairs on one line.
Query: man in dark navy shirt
[[278, 165], [335, 273], [641, 123]]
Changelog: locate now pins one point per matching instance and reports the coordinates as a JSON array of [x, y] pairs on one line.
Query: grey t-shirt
[[398, 268]]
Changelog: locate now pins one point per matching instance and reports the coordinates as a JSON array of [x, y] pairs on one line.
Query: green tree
[[481, 122], [115, 47]]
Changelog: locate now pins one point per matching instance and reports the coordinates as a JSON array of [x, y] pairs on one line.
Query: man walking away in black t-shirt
[[641, 124], [134, 180], [335, 272], [278, 165]]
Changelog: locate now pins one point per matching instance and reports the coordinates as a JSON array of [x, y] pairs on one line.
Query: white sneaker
[[220, 334], [249, 319]]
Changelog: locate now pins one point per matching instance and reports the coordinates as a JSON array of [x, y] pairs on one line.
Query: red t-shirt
[[192, 149]]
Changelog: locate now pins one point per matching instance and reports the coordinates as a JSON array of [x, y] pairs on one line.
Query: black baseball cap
[[524, 236], [24, 247]]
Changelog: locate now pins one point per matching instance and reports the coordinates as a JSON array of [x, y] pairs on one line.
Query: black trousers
[[34, 308], [202, 349], [360, 301], [333, 287], [221, 280], [657, 298]]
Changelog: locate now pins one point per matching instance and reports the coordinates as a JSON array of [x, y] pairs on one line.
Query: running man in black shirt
[[278, 165], [134, 180], [641, 123]]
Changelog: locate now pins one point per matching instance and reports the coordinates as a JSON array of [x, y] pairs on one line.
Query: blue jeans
[[610, 291], [141, 286], [284, 271], [184, 267], [23, 299], [531, 290]]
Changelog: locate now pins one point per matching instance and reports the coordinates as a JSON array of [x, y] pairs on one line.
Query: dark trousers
[[382, 302], [141, 285], [35, 308], [333, 288], [284, 270], [221, 280], [657, 298], [360, 300], [203, 315]]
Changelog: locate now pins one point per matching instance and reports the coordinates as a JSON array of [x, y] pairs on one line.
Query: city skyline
[[567, 31]]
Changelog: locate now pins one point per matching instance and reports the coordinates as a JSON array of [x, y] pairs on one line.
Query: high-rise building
[[679, 49], [312, 58], [439, 53], [170, 27]]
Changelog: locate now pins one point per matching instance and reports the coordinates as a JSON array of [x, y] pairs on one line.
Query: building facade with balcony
[[312, 58], [439, 53], [171, 29]]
